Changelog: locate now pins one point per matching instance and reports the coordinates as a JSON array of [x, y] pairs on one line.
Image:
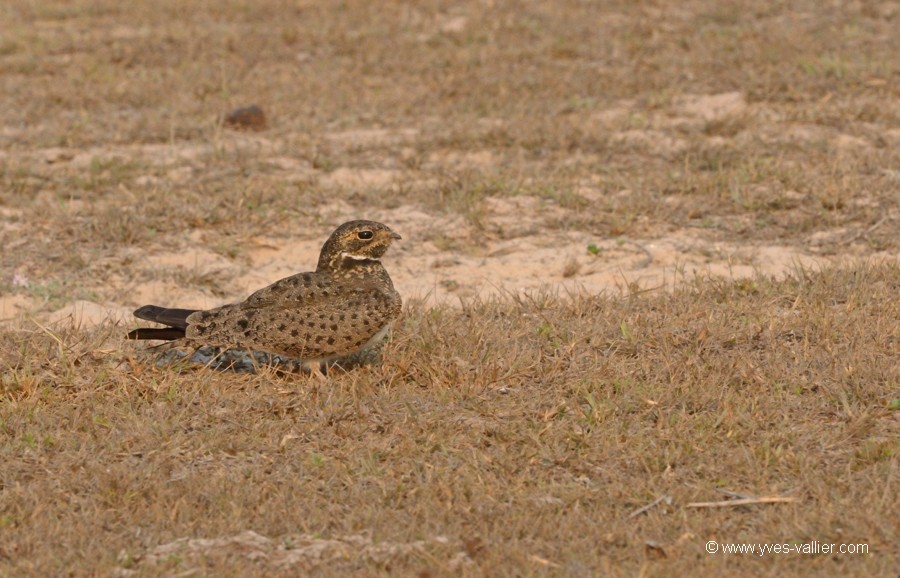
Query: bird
[[343, 307]]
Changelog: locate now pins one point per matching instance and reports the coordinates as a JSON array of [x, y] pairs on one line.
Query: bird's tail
[[164, 333], [176, 319]]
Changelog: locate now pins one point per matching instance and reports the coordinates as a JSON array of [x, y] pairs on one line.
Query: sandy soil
[[514, 245]]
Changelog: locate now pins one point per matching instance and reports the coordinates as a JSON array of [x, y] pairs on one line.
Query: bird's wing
[[336, 324], [302, 321], [293, 290]]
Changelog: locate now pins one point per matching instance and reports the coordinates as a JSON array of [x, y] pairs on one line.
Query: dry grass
[[508, 437], [510, 432]]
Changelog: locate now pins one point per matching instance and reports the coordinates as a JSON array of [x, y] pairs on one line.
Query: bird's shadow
[[237, 361]]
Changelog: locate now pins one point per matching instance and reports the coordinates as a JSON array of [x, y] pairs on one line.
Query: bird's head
[[354, 242]]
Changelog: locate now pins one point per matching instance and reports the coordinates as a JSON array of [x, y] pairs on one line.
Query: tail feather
[[172, 317], [164, 333], [176, 319]]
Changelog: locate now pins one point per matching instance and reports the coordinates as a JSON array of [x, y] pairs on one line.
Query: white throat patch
[[347, 255]]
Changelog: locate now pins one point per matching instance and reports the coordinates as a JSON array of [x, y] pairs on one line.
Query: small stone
[[247, 118]]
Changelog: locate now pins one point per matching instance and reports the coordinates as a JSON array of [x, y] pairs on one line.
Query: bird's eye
[[365, 235]]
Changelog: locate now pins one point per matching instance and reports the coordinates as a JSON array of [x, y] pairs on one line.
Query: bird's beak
[[395, 236]]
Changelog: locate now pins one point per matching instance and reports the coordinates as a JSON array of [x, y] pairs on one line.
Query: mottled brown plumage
[[347, 303]]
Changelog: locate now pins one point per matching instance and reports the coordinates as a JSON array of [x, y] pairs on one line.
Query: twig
[[646, 251], [653, 504], [867, 231], [543, 561], [744, 502]]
